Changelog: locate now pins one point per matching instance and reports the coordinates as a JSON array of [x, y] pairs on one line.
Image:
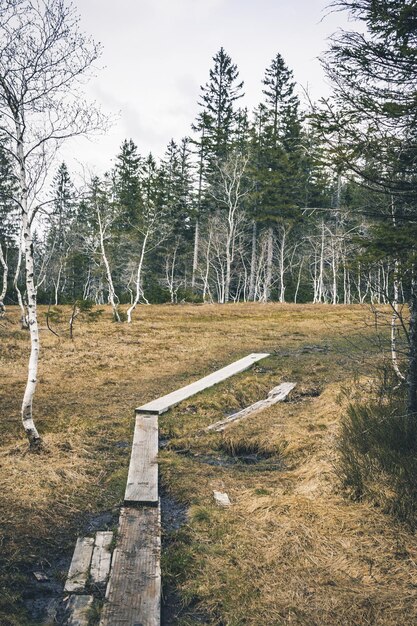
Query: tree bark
[[269, 259], [112, 292], [412, 368], [138, 279], [195, 254], [282, 266], [23, 316], [394, 322], [251, 295], [5, 276], [27, 415]]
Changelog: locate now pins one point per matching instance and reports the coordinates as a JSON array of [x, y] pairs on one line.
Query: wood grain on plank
[[142, 480], [166, 402], [79, 610], [277, 394], [80, 565], [134, 590], [100, 563]]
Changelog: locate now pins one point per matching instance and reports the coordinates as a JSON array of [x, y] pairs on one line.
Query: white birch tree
[[230, 194], [43, 57]]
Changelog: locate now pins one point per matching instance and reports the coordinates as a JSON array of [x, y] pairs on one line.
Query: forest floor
[[290, 550]]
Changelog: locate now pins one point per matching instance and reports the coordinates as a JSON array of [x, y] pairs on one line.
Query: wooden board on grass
[[80, 565], [134, 590], [100, 563], [277, 394], [79, 610], [166, 402], [142, 480]]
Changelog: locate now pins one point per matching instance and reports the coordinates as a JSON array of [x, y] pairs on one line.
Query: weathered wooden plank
[[80, 565], [100, 563], [222, 499], [142, 480], [134, 591], [166, 402], [277, 394], [79, 609]]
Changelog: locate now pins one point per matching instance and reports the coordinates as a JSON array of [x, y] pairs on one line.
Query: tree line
[[282, 203], [249, 207]]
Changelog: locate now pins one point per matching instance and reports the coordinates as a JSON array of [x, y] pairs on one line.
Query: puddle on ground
[[44, 600], [243, 462], [173, 517], [173, 513]]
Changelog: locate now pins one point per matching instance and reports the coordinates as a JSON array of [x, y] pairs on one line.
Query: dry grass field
[[290, 550]]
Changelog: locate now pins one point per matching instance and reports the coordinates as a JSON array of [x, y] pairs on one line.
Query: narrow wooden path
[[142, 480], [171, 399], [133, 596]]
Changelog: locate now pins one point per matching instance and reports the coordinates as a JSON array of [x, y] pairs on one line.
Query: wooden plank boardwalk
[[142, 480], [79, 609], [171, 399], [100, 563], [277, 394], [80, 565], [133, 595]]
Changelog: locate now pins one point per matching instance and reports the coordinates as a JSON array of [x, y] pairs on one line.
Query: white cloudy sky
[[157, 53]]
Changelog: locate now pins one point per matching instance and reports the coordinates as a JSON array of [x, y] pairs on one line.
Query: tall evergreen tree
[[371, 124], [218, 99], [279, 151], [127, 185], [60, 236], [277, 158]]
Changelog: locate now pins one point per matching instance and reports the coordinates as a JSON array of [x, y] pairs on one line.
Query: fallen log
[[277, 394]]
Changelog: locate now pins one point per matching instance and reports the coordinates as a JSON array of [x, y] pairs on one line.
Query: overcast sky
[[157, 53]]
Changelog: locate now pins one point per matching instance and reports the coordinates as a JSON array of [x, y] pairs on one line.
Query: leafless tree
[[229, 194], [44, 58]]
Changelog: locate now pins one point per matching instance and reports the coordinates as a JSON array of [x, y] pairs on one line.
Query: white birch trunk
[[170, 275], [206, 284], [394, 322], [23, 316], [229, 256], [395, 313], [359, 284], [195, 254], [112, 293], [27, 413], [57, 282], [282, 266], [269, 260], [5, 276], [320, 294], [334, 273], [138, 283], [251, 295], [298, 280]]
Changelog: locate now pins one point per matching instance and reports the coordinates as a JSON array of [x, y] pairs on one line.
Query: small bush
[[378, 456]]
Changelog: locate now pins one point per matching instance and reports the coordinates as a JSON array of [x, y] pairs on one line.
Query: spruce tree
[[371, 126], [276, 158], [127, 185], [60, 236], [218, 99], [279, 153]]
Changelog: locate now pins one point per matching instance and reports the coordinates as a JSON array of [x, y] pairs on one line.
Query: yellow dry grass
[[291, 549]]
